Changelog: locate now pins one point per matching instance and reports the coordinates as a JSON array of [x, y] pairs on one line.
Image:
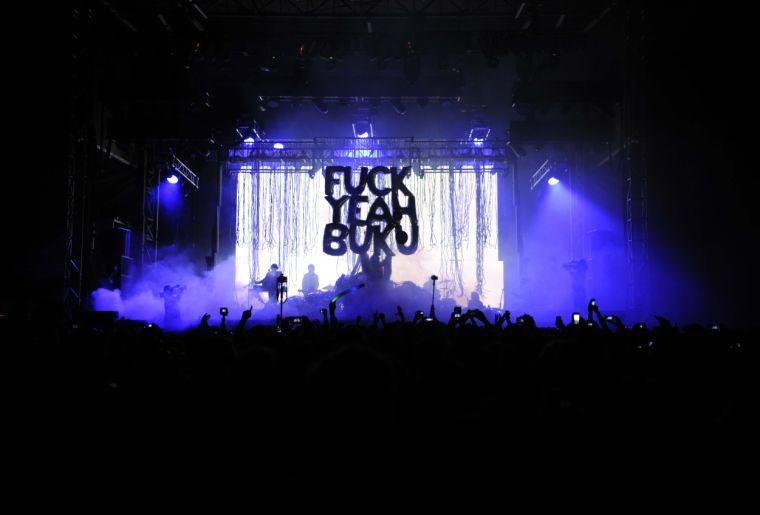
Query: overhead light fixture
[[320, 105], [553, 181], [398, 105], [278, 146], [479, 132], [172, 179], [363, 129]]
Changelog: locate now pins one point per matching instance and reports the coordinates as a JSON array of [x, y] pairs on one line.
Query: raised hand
[[617, 322], [664, 322], [247, 313], [479, 315], [528, 320]]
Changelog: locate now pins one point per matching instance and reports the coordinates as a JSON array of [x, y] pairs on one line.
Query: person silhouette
[[269, 283], [310, 282], [475, 302], [171, 296]]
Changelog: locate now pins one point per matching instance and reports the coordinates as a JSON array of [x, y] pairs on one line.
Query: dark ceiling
[[171, 67]]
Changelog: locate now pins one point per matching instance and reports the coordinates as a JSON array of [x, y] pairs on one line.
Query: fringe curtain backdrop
[[281, 213]]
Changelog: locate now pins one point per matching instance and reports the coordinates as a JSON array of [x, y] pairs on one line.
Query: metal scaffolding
[[319, 152], [80, 159], [633, 164], [76, 222], [150, 206]]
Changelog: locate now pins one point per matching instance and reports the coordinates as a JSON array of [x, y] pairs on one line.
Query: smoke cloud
[[205, 292]]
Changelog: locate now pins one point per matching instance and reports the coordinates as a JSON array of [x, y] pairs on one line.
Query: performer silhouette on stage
[[171, 296], [269, 283], [475, 302], [310, 282]]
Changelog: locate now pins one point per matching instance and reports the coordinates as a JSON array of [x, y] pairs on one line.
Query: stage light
[[553, 181], [278, 146], [398, 105], [249, 140], [478, 142], [320, 105], [479, 131], [362, 127], [172, 179]]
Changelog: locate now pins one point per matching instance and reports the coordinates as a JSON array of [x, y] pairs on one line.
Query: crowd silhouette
[[410, 369]]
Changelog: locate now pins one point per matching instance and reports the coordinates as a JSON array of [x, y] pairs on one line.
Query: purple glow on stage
[[170, 197], [249, 140], [278, 146], [363, 135], [564, 227], [205, 292], [478, 142], [553, 181], [172, 179]]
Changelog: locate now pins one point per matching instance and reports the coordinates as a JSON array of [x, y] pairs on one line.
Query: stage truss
[[459, 198], [321, 152]]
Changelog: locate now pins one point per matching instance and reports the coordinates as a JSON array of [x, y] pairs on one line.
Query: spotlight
[[553, 181], [362, 126], [479, 131], [278, 146], [363, 129], [172, 179], [249, 140], [478, 142]]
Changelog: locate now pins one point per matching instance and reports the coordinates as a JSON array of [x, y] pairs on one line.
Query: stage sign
[[382, 219]]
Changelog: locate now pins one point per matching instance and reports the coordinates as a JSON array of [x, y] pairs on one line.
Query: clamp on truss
[[182, 169], [539, 174]]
